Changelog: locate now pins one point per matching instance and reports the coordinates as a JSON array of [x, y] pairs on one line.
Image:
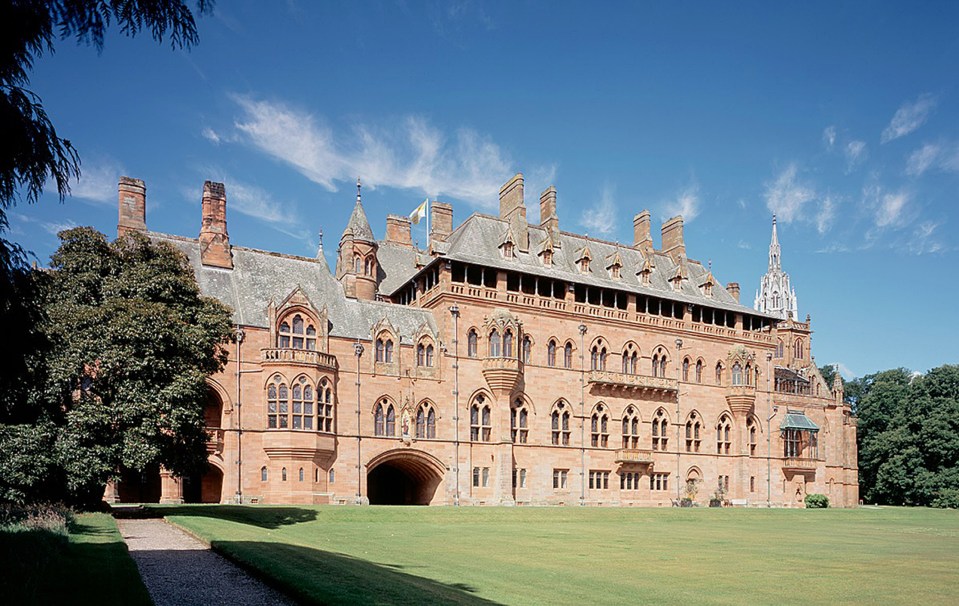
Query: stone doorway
[[403, 478]]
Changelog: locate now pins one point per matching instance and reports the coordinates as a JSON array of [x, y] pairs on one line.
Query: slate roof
[[359, 224], [258, 276], [478, 238]]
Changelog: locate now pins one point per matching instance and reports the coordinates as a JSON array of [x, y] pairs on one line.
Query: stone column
[[171, 488]]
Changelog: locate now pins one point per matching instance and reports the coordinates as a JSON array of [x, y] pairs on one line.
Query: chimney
[[512, 209], [641, 238], [133, 206], [733, 289], [398, 230], [214, 239], [547, 212], [441, 221], [673, 244]]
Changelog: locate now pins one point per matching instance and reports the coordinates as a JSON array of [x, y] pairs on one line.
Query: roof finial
[[774, 218], [319, 251], [358, 186], [710, 266]]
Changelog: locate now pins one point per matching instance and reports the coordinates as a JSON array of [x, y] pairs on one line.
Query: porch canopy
[[799, 422]]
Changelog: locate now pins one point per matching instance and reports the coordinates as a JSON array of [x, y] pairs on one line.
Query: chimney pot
[[133, 204]]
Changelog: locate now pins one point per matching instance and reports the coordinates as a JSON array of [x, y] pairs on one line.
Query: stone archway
[[403, 477]]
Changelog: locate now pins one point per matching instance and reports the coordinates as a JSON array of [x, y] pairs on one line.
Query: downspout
[[240, 334], [455, 311], [679, 376], [358, 350], [582, 418]]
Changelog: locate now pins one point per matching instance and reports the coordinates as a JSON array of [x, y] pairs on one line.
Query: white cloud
[[787, 197], [55, 227], [909, 117], [922, 159], [846, 372], [685, 204], [855, 153], [601, 217], [889, 208], [827, 211], [410, 154], [211, 135], [743, 245], [98, 181], [925, 240], [829, 136], [536, 182]]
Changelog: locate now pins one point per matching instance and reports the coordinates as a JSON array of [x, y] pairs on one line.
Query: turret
[[356, 265]]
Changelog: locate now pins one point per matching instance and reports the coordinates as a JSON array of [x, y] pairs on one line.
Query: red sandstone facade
[[507, 363]]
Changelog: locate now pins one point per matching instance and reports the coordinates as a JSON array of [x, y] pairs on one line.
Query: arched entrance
[[403, 477], [204, 488]]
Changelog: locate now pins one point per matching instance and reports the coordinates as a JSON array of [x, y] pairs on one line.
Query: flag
[[420, 212]]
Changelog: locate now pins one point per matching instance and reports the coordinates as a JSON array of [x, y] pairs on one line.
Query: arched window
[[471, 343], [431, 423], [324, 406], [380, 349], [780, 348], [748, 375], [301, 334], [662, 366], [699, 371], [660, 430], [798, 349], [420, 355], [302, 404], [384, 419], [425, 422], [630, 358], [686, 369], [263, 474], [519, 422], [302, 474], [368, 267], [527, 349], [559, 423], [357, 264], [277, 404], [594, 358], [599, 427], [630, 428], [753, 433], [507, 343], [283, 474], [737, 374], [388, 351], [551, 353], [494, 344], [719, 373], [723, 440], [693, 428], [655, 365], [480, 425], [429, 356], [568, 356]]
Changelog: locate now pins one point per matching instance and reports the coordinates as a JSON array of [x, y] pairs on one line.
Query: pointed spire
[[774, 250], [359, 224], [319, 248], [359, 185]]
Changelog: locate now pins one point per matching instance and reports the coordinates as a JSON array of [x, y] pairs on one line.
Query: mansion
[[507, 363]]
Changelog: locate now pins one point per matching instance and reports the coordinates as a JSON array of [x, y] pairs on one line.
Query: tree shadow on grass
[[262, 516], [313, 576]]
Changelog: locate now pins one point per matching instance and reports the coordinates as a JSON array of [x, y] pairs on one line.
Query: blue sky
[[844, 120]]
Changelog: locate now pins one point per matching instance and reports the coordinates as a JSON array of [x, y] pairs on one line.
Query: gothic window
[[527, 349], [723, 440], [753, 433], [598, 356], [775, 300], [263, 474], [368, 268], [425, 422], [302, 404], [379, 350], [719, 373], [568, 356], [471, 343], [357, 264], [662, 366], [660, 432], [630, 428], [283, 474], [429, 355], [748, 375], [693, 428], [297, 332], [302, 475], [384, 419], [324, 406], [277, 404], [685, 369], [655, 365], [551, 353], [480, 427], [384, 350], [699, 371], [780, 347], [494, 344], [798, 349], [659, 363], [737, 374], [559, 423], [599, 427], [630, 359], [519, 422], [507, 343], [424, 355]]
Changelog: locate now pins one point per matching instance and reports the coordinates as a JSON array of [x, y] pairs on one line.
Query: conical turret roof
[[359, 224]]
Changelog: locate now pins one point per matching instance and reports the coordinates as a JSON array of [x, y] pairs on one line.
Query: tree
[[125, 379]]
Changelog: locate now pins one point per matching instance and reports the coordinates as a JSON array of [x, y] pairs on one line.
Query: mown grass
[[392, 555], [85, 561]]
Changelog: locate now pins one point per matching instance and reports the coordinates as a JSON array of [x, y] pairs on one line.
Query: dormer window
[[547, 258], [584, 265], [508, 250], [614, 272]]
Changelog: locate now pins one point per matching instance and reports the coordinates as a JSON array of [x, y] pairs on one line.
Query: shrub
[[817, 501]]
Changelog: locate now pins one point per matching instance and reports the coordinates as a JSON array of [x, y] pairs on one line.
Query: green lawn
[[88, 565], [582, 556]]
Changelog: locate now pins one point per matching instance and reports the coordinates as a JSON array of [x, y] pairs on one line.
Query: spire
[[359, 224], [774, 251], [319, 248]]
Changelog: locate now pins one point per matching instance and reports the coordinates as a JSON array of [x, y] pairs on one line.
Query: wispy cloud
[[55, 227], [889, 209], [98, 181], [925, 239], [846, 372], [211, 135], [601, 217], [410, 154], [686, 203], [743, 245], [909, 117], [855, 152], [787, 197], [829, 137], [942, 156], [835, 247], [827, 211]]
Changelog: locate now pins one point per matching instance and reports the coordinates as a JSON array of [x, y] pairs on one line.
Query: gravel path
[[180, 570]]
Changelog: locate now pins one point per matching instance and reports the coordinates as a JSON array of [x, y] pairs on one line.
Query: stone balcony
[[617, 381], [741, 399], [502, 375], [298, 444], [298, 357], [800, 465], [635, 456]]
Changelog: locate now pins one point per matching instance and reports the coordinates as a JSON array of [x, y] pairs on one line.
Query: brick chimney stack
[[548, 219], [133, 206], [398, 230], [642, 240], [673, 243], [214, 239], [733, 289], [513, 209], [441, 221]]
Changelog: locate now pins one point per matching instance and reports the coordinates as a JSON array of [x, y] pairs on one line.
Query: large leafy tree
[[123, 383]]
